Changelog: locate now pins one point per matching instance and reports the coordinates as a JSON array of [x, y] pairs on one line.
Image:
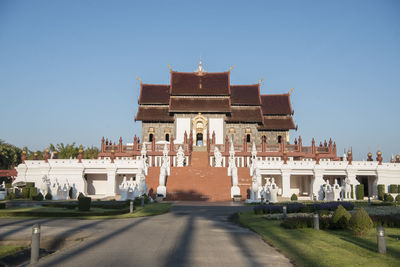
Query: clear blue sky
[[67, 68]]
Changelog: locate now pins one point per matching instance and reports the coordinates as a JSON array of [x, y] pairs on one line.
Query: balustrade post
[[244, 144], [213, 138], [313, 146], [102, 144], [120, 145]]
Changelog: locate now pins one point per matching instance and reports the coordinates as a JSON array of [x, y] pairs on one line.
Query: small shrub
[[38, 197], [25, 192], [48, 196], [11, 196], [340, 218], [388, 198], [360, 223], [32, 192], [84, 202], [293, 197], [386, 220], [398, 198], [393, 189], [70, 193], [398, 188], [360, 192], [381, 191], [297, 222]]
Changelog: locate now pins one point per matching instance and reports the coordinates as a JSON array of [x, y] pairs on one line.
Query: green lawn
[[8, 250], [94, 213], [308, 247]]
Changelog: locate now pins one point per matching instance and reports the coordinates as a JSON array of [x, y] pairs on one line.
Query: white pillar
[[285, 183], [111, 182]]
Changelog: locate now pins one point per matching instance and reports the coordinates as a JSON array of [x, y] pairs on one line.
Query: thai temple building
[[206, 139]]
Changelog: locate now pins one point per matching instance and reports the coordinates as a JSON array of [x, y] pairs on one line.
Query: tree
[[10, 155], [65, 151]]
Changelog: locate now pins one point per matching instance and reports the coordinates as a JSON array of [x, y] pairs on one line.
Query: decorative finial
[[139, 79], [200, 68], [290, 91], [231, 67], [260, 81], [169, 67]]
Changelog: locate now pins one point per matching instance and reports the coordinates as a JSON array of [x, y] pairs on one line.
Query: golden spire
[[200, 69], [139, 79], [231, 67], [290, 91], [260, 81], [169, 67]]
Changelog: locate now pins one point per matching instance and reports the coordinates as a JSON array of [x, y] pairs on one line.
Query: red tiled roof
[[197, 104], [245, 114], [146, 113], [277, 123], [245, 94], [183, 83], [276, 104], [154, 94]]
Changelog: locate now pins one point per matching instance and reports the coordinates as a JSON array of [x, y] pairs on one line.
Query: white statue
[[336, 191], [45, 186], [74, 191], [346, 189], [180, 157], [141, 184], [256, 187], [143, 154], [217, 157], [55, 190], [273, 192], [123, 189], [3, 185], [327, 190]]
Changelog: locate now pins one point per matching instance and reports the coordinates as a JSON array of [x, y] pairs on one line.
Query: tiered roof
[[212, 93]]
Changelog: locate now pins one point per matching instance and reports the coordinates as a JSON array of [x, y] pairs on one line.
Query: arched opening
[[150, 137], [279, 139], [167, 137], [199, 139], [248, 138]]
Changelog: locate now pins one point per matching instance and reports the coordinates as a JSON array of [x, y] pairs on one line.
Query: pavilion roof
[[245, 114], [154, 113], [277, 123], [154, 94], [245, 94], [201, 84], [276, 104], [199, 104]]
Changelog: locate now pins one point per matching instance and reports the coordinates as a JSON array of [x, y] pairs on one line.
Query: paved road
[[190, 235]]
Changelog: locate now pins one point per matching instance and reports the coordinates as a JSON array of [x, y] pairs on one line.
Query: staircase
[[198, 182]]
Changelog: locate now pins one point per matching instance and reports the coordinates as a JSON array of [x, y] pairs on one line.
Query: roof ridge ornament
[[290, 91], [169, 67], [200, 70], [261, 80]]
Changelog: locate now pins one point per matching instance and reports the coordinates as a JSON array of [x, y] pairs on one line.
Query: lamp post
[[284, 209], [380, 236], [35, 245], [316, 220], [131, 206]]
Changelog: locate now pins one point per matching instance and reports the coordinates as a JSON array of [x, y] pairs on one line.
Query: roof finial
[[260, 81], [139, 79], [200, 68], [231, 67], [290, 91], [169, 67]]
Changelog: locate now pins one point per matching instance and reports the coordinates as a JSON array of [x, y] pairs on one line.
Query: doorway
[[199, 139]]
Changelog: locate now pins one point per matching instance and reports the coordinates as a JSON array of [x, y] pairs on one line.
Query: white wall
[[217, 125], [96, 184], [182, 125]]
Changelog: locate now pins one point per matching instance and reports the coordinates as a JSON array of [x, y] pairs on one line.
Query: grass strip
[[9, 250], [308, 247]]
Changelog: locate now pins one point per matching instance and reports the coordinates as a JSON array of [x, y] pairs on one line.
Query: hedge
[[2, 206], [386, 220], [321, 208], [388, 198], [381, 191], [293, 197], [25, 192], [32, 192], [352, 192], [30, 184], [360, 222], [305, 222], [393, 188], [48, 196], [398, 198], [360, 192]]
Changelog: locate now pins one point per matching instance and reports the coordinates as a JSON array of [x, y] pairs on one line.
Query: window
[[248, 138], [150, 137], [167, 137], [279, 139]]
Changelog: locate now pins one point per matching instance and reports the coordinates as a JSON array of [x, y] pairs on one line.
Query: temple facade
[[208, 106]]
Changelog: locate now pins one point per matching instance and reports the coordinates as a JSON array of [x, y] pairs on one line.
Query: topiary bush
[[391, 220], [360, 223], [340, 218], [293, 197], [32, 192], [360, 192], [25, 192], [398, 188], [393, 188], [48, 196], [388, 198], [84, 202], [70, 193], [30, 184], [398, 198], [381, 191], [38, 197], [11, 196]]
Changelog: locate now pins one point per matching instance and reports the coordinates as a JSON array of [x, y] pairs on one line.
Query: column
[[111, 182], [286, 183]]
